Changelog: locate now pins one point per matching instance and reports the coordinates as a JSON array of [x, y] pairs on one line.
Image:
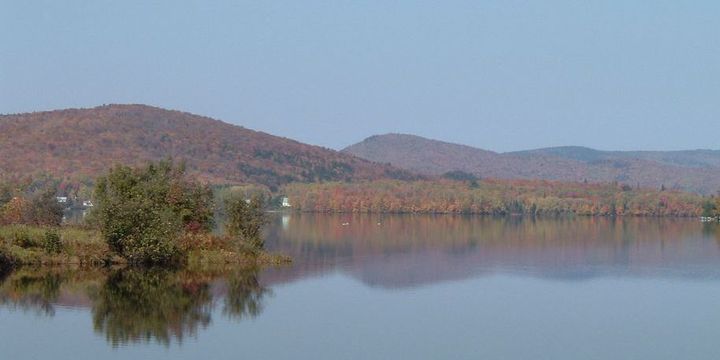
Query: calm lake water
[[395, 287]]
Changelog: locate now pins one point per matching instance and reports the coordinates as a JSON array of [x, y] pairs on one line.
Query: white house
[[88, 203], [285, 202], [61, 199]]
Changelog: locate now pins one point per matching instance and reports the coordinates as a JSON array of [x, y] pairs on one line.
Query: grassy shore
[[68, 245]]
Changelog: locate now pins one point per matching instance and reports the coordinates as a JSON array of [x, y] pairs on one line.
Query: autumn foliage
[[691, 170], [496, 197], [81, 144], [31, 208]]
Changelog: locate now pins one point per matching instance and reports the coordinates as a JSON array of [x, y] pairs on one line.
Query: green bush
[[143, 212], [52, 244], [21, 237], [245, 220], [710, 208]]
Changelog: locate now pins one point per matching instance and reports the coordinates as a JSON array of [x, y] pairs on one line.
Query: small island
[[154, 215]]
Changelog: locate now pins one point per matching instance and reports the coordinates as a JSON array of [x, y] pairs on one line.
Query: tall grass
[[23, 244]]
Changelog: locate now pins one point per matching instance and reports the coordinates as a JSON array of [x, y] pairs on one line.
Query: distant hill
[[77, 143], [693, 170], [685, 158]]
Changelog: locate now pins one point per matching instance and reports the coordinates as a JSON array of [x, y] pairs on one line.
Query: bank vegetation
[[493, 197], [151, 215]]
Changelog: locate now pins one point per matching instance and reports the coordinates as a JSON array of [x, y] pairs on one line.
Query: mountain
[[423, 155], [693, 170], [81, 143], [685, 158]]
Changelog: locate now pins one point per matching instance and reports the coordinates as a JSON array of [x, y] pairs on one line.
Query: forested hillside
[[78, 144], [695, 170]]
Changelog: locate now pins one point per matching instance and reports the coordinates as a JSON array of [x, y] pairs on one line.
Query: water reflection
[[30, 291], [245, 295], [145, 305], [130, 306], [137, 305], [403, 251]]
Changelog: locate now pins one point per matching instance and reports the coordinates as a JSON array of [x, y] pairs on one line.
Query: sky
[[499, 75]]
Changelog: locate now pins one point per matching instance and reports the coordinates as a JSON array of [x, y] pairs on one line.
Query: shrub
[[709, 208], [143, 212], [40, 208], [52, 243], [245, 220], [13, 212], [44, 209], [21, 237]]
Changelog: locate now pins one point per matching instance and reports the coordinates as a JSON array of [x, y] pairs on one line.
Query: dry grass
[[25, 245]]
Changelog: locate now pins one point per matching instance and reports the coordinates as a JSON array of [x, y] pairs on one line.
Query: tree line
[[492, 197]]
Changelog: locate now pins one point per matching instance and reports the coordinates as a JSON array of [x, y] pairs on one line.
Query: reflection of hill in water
[[164, 306], [415, 250], [401, 251]]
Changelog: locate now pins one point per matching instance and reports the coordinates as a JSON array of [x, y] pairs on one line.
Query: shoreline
[[502, 215], [27, 245]]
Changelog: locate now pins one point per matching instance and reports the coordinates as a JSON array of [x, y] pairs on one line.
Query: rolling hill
[[693, 170], [79, 143]]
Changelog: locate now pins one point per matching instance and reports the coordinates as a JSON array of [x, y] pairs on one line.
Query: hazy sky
[[501, 75]]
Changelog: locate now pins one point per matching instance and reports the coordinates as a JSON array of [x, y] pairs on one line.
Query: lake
[[395, 287]]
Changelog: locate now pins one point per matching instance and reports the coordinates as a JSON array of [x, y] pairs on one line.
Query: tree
[[44, 209], [5, 193], [39, 208], [142, 212], [710, 208], [14, 211], [245, 220], [460, 175]]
